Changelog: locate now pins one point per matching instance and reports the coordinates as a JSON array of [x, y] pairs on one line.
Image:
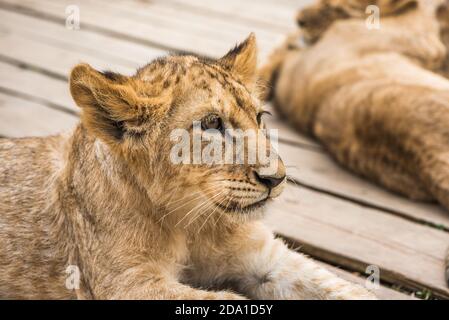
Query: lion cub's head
[[178, 123], [314, 20]]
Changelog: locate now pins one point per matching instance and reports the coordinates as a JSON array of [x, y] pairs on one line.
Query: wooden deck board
[[20, 118], [335, 230], [125, 53], [383, 293], [36, 86], [163, 24], [316, 169], [272, 15], [38, 52], [205, 36]]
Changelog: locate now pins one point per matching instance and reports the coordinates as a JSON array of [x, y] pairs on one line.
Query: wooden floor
[[326, 212]]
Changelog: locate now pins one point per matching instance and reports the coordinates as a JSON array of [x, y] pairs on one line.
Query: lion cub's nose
[[269, 181]]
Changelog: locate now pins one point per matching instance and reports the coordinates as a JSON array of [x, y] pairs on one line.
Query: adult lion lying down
[[371, 96]]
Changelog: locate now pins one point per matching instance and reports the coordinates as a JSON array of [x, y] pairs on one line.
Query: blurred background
[[350, 225]]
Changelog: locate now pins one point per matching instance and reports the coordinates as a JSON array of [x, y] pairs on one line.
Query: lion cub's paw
[[224, 295], [355, 293]]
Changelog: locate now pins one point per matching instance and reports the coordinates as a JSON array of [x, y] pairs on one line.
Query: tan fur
[[369, 97], [443, 18], [107, 199], [316, 19]]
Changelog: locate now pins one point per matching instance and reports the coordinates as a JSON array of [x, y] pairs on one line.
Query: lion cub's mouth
[[234, 207]]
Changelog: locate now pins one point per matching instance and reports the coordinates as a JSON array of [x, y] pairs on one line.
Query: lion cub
[[369, 95], [108, 204]]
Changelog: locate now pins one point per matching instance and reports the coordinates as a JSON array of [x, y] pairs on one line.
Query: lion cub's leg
[[264, 268], [146, 282], [172, 290]]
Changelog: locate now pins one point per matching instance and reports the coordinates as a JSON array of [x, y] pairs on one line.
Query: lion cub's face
[[314, 20], [168, 122]]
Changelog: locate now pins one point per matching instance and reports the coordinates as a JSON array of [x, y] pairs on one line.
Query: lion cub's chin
[[255, 210], [276, 192]]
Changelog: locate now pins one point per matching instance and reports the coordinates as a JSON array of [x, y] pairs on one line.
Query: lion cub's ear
[[242, 61], [105, 100]]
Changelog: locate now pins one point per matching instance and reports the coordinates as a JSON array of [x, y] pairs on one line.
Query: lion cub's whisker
[[196, 207], [200, 192], [211, 205], [186, 196]]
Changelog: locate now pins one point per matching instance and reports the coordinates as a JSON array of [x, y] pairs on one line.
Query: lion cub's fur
[[443, 17], [107, 200], [371, 96]]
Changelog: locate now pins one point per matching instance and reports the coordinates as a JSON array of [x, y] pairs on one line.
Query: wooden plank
[[275, 15], [146, 23], [383, 293], [37, 86], [317, 170], [268, 15], [59, 58], [203, 29], [115, 51], [347, 234], [41, 55], [21, 118]]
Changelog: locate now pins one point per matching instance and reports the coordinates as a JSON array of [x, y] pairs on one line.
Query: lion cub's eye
[[260, 114], [212, 122]]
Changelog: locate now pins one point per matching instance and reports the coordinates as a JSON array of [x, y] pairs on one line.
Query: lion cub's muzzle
[[272, 177]]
